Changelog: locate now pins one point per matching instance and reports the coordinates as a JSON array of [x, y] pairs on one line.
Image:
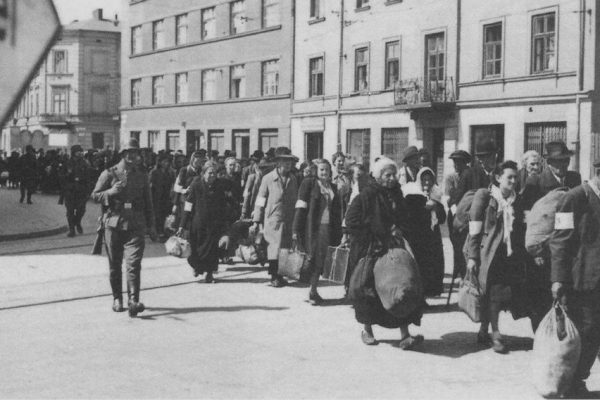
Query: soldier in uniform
[[575, 271], [124, 191], [75, 178]]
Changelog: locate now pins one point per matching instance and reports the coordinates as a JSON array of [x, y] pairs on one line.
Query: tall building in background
[[207, 74], [75, 97]]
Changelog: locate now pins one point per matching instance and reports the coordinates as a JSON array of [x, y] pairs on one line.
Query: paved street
[[238, 338]]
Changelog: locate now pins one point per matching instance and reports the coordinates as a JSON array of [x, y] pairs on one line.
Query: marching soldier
[[575, 274], [124, 191], [75, 178]]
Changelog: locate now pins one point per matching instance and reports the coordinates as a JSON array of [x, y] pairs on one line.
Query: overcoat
[[537, 186], [250, 193], [275, 207]]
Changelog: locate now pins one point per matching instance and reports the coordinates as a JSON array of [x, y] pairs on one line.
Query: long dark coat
[[205, 216], [369, 221]]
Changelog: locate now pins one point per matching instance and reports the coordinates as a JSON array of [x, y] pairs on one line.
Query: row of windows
[[59, 101], [208, 25], [58, 62], [210, 80]]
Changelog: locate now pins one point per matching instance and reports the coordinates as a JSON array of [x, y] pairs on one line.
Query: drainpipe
[[458, 31], [340, 78], [580, 82], [293, 69]]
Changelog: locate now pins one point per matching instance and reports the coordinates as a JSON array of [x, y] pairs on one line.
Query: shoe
[[368, 339], [498, 346], [196, 273], [79, 228], [278, 282], [71, 233], [578, 390], [135, 307], [315, 299], [29, 202], [118, 305], [209, 278], [484, 338], [410, 342]]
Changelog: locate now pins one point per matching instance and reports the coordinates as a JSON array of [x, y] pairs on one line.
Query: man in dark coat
[[481, 173], [412, 164], [124, 190], [185, 176], [28, 167], [161, 182], [575, 248], [75, 178]]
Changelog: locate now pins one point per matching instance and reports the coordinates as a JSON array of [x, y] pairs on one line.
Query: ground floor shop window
[[241, 143], [393, 143], [358, 144], [484, 133], [313, 145], [216, 141], [135, 135], [193, 140], [172, 140], [268, 139], [537, 135], [98, 140]]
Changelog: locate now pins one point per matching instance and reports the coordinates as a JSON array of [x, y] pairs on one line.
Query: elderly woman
[[426, 214], [204, 221], [495, 250], [317, 221], [532, 165], [375, 220]]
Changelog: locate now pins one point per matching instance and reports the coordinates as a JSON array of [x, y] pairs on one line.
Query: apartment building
[[75, 96], [207, 74]]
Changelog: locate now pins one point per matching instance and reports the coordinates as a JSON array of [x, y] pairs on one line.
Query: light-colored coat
[[275, 207]]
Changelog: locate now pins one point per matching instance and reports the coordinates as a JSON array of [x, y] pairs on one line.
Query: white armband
[[260, 201], [564, 221], [301, 204], [177, 188], [188, 206], [475, 227], [525, 214], [453, 209]]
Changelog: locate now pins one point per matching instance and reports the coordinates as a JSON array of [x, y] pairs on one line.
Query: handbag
[[336, 264], [178, 247], [362, 280], [469, 297], [294, 264]]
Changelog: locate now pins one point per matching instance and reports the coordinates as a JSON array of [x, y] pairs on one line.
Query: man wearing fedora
[[75, 182], [575, 249], [275, 208], [124, 191], [411, 157], [480, 174]]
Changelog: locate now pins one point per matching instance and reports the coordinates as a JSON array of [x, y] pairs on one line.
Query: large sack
[[398, 282], [178, 247], [248, 254], [461, 219], [556, 351], [540, 221]]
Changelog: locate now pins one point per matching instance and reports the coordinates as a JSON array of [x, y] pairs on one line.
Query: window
[[134, 135], [158, 34], [158, 90], [241, 143], [37, 101], [270, 13], [209, 28], [181, 87], [392, 64], [181, 29], [98, 140], [100, 63], [492, 50], [393, 143], [216, 141], [481, 133], [313, 145], [60, 100], [538, 134], [316, 77], [359, 144], [361, 69], [435, 57], [270, 77], [543, 43], [237, 82], [267, 139], [136, 39], [153, 139], [209, 87], [172, 140], [136, 89], [237, 22], [315, 9], [362, 3], [99, 100], [59, 61]]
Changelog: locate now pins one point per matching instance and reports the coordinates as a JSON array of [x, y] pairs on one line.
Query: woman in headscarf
[[317, 221], [204, 221], [426, 214], [495, 250], [375, 220]]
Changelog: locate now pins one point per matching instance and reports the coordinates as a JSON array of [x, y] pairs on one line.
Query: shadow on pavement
[[164, 311], [335, 302], [440, 308], [246, 268], [221, 280]]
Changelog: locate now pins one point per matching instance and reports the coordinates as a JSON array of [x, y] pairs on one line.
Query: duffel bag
[[248, 254], [398, 282], [541, 221], [178, 247]]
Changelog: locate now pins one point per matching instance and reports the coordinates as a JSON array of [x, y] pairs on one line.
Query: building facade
[[75, 97], [209, 74]]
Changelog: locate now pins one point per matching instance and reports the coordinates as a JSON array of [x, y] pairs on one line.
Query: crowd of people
[[370, 209]]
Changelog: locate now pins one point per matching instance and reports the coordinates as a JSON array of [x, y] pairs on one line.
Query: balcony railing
[[419, 92], [55, 119]]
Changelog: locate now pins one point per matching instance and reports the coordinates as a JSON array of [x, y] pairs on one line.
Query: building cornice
[[207, 103], [536, 77]]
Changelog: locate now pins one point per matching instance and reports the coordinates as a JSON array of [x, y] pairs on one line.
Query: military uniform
[[75, 178], [128, 214]]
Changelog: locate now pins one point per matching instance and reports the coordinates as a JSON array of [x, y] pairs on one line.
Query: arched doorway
[[25, 138], [37, 140]]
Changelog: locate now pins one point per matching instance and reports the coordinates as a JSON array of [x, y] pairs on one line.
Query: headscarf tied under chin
[[505, 206], [380, 164], [416, 188]]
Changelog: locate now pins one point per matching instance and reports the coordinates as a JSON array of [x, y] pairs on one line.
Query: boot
[[79, 228], [71, 232], [118, 305], [135, 307]]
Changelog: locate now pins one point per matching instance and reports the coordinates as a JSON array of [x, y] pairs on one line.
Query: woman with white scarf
[[495, 252]]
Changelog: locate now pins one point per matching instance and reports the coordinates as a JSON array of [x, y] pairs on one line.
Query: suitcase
[[336, 264]]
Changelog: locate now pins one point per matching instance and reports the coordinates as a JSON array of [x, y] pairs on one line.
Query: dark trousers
[[273, 268], [129, 245], [26, 189], [75, 209], [458, 241], [584, 310], [540, 291]]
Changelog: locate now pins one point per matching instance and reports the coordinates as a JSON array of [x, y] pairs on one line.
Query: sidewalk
[[21, 221]]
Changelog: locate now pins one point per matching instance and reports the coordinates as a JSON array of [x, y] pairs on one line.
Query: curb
[[36, 234]]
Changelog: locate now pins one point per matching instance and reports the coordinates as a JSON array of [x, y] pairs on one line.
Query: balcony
[[418, 93], [58, 120]]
